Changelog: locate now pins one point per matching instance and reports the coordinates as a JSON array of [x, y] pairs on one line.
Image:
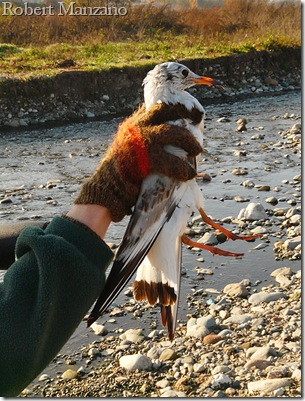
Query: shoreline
[[78, 96]]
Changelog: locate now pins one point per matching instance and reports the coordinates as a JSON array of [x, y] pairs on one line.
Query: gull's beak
[[206, 81]]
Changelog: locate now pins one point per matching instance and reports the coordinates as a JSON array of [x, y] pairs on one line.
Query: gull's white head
[[167, 83]]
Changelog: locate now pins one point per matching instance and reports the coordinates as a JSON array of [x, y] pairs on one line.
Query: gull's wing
[[156, 203]]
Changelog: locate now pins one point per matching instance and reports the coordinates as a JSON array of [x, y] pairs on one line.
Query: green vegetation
[[147, 34]]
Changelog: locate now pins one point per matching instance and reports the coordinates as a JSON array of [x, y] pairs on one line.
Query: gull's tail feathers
[[156, 203]]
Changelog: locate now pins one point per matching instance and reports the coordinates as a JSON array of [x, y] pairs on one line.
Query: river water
[[42, 170]]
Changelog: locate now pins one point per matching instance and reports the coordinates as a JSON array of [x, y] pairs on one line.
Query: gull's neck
[[162, 94]]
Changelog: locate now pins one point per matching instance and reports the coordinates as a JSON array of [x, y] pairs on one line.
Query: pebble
[[44, 377], [99, 329], [239, 171], [212, 339], [69, 374], [168, 354], [162, 383], [221, 381], [272, 200]]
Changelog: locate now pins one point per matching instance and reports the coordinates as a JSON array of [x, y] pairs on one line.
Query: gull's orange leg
[[215, 251], [228, 233]]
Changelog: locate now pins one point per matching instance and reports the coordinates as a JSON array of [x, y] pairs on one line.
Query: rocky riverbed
[[239, 318], [236, 346]]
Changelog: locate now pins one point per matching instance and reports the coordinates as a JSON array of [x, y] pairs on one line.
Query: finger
[[180, 137], [172, 166]]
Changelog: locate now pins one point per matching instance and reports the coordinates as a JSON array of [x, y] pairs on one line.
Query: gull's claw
[[228, 233], [212, 249]]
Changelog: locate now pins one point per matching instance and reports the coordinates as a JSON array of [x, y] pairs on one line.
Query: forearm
[[45, 295]]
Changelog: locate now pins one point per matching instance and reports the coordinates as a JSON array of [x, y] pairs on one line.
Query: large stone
[[99, 329], [212, 339], [285, 271], [201, 327], [292, 243], [268, 385], [237, 319], [208, 239], [135, 361], [260, 297], [168, 354], [254, 211], [236, 290], [220, 381], [260, 364], [69, 374], [262, 353], [133, 335]]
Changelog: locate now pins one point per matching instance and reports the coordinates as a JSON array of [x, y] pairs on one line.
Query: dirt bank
[[79, 95]]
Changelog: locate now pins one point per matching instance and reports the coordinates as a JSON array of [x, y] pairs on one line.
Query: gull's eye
[[185, 73]]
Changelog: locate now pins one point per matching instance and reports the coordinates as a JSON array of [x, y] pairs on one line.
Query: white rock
[[93, 351], [199, 367], [173, 393], [220, 369], [201, 270], [98, 329], [200, 327], [292, 243], [297, 375], [248, 184], [208, 239], [285, 271], [268, 385], [162, 383], [154, 352], [220, 381], [260, 353], [259, 230], [254, 211], [43, 377], [284, 280], [256, 299], [135, 361], [279, 392], [224, 333], [237, 319], [133, 335]]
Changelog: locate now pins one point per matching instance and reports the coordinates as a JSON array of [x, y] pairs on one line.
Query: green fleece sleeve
[[59, 273]]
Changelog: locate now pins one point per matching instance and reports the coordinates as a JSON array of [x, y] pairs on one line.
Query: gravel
[[255, 360]]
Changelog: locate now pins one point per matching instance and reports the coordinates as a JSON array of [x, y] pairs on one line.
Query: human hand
[[137, 151]]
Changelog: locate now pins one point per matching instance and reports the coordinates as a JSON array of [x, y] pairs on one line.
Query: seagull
[[152, 243]]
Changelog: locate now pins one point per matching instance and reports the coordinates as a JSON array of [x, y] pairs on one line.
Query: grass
[[37, 45]]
